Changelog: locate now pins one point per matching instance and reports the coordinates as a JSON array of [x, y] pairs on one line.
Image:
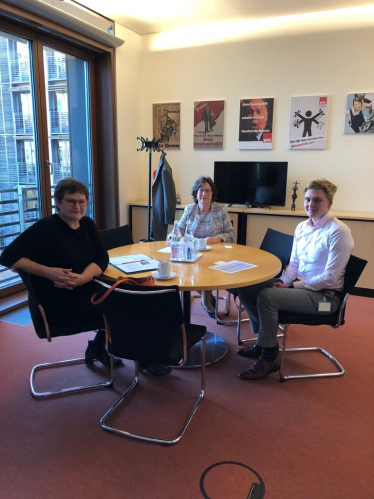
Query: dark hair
[[199, 182], [324, 185], [69, 185]]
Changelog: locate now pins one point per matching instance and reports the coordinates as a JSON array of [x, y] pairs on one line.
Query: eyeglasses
[[72, 202], [204, 190]]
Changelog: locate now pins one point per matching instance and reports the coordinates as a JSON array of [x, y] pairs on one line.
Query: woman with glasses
[[63, 253], [208, 219]]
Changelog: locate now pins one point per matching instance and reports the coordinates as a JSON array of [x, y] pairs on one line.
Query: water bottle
[[188, 243], [176, 242]]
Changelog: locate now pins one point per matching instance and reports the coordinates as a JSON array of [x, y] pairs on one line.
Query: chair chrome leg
[[153, 439], [223, 322], [283, 377], [49, 365]]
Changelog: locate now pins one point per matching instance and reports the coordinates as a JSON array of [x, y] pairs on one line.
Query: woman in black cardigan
[[63, 253]]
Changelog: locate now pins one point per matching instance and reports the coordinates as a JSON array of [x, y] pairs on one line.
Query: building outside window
[[66, 90]]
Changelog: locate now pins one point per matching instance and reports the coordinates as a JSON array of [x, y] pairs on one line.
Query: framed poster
[[166, 124], [256, 123], [308, 122], [359, 116], [208, 124]]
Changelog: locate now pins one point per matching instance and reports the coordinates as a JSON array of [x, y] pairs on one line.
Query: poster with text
[[208, 124], [166, 124], [359, 115], [256, 123], [308, 122]]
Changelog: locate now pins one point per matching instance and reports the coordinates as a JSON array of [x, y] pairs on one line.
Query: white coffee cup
[[202, 243], [164, 269]]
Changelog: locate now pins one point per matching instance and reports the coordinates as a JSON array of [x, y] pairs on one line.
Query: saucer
[[206, 249], [156, 276]]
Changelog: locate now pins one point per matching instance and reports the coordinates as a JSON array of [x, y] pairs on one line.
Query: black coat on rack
[[164, 199]]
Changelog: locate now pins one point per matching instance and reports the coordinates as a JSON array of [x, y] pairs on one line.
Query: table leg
[[216, 347], [187, 306]]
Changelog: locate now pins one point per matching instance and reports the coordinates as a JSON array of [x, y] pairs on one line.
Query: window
[[47, 104]]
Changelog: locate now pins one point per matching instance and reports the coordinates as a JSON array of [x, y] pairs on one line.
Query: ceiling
[[156, 16]]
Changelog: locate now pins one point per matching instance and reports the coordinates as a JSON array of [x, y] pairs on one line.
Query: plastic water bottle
[[176, 242], [188, 243]]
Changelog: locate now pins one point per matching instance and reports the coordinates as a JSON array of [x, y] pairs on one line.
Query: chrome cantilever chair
[[353, 272], [48, 327], [118, 236], [278, 244], [145, 324]]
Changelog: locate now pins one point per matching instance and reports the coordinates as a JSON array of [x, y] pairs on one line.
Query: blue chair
[[278, 244]]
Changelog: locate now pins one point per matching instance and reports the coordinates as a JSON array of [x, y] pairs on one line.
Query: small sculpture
[[294, 195], [179, 199]]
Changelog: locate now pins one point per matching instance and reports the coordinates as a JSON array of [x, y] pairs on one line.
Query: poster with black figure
[[308, 122]]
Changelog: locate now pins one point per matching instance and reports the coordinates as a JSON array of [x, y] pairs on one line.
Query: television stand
[[258, 207]]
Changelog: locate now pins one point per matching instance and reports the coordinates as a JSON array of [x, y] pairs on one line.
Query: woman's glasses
[[204, 190], [72, 202]]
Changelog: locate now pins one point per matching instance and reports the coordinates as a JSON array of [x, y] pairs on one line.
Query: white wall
[[128, 83], [325, 63]]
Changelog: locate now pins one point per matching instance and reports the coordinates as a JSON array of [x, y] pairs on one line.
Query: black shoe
[[154, 369], [261, 369], [97, 351], [211, 314], [253, 352]]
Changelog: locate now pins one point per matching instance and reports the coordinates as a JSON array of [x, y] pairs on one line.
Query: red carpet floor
[[305, 438]]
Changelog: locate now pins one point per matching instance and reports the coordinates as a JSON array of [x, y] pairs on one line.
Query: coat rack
[[149, 146]]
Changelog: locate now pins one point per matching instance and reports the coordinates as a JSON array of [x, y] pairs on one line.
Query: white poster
[[359, 116], [308, 122]]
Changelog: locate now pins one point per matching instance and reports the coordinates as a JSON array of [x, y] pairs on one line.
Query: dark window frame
[[103, 107]]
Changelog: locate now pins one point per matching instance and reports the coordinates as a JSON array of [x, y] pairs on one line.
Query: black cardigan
[[53, 243]]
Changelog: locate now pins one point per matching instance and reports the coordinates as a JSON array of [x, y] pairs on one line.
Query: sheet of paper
[[233, 266]]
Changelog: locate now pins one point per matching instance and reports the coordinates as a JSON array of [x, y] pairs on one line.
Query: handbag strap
[[144, 281]]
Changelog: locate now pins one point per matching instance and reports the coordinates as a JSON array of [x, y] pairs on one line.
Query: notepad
[[131, 264]]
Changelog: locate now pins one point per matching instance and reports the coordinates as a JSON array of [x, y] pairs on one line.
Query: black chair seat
[[149, 349], [310, 320]]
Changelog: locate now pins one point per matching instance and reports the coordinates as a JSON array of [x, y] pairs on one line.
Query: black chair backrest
[[278, 244], [118, 236], [33, 303], [353, 271], [144, 322]]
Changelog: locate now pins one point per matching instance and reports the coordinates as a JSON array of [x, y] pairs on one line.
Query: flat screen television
[[253, 183]]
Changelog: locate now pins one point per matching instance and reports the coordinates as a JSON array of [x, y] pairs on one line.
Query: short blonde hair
[[324, 185]]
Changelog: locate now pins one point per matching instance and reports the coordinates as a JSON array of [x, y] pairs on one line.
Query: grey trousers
[[262, 304]]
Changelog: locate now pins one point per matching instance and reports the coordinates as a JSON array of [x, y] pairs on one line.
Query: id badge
[[324, 306]]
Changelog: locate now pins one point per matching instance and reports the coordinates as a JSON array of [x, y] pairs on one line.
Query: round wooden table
[[198, 276]]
